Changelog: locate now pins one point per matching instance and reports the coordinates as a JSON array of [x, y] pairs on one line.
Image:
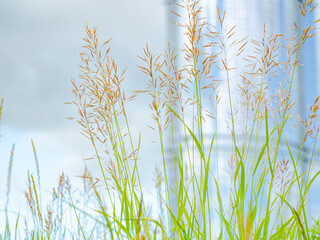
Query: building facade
[[256, 21]]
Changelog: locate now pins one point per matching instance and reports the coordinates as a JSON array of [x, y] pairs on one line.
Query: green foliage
[[315, 231], [192, 200]]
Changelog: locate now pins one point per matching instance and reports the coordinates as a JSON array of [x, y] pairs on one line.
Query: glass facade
[[259, 19]]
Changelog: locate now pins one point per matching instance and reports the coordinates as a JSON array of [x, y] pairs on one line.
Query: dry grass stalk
[[177, 92], [311, 128]]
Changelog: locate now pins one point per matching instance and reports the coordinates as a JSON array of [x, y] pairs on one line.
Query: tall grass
[[266, 195]]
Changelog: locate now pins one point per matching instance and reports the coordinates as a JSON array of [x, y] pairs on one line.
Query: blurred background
[[40, 43]]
